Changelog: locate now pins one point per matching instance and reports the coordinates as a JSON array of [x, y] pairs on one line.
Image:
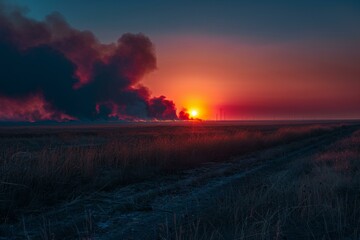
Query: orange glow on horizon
[[196, 107], [237, 79], [193, 113]]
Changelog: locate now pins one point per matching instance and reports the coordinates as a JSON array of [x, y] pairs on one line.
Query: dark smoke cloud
[[69, 74], [160, 108], [184, 115]]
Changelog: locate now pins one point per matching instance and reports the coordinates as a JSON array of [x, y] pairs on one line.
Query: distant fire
[[31, 109], [56, 72]]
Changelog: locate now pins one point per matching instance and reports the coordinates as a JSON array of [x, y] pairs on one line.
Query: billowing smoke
[[50, 70], [161, 108], [184, 115]]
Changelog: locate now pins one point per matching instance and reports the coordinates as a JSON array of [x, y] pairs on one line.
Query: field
[[195, 180]]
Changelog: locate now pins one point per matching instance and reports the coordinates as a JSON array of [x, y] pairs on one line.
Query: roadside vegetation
[[315, 198], [39, 167]]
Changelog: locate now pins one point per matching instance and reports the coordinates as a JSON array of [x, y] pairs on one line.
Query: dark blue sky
[[256, 20]]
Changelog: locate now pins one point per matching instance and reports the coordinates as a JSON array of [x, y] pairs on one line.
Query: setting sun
[[193, 113]]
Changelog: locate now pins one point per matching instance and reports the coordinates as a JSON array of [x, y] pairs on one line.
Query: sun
[[193, 113]]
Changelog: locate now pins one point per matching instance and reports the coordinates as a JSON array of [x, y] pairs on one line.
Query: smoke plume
[[50, 70], [161, 108], [184, 115]]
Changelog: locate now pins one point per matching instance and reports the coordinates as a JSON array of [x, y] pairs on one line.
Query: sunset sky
[[252, 59]]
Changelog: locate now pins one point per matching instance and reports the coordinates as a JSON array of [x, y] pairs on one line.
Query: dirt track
[[139, 211]]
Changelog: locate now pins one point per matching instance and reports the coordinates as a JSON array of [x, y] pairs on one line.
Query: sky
[[247, 59]]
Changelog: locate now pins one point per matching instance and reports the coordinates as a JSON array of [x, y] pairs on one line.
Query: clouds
[[72, 73], [160, 108]]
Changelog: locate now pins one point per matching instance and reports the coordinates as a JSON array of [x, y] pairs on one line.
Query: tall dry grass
[[315, 198], [50, 172]]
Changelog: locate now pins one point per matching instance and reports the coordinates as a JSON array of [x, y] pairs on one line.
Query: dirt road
[[145, 210]]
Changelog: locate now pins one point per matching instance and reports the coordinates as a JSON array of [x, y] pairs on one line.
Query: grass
[[41, 167], [315, 198]]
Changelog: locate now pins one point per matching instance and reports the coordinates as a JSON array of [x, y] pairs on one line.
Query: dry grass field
[[316, 197], [44, 167]]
